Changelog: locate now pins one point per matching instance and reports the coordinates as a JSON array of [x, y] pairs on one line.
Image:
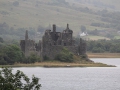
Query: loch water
[[86, 78]]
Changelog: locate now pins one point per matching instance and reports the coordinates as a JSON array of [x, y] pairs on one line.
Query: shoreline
[[56, 64], [59, 64], [103, 55]]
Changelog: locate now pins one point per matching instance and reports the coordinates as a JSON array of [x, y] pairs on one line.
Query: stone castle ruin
[[52, 43]]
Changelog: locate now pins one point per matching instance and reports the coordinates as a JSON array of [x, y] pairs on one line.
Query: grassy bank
[[103, 55], [60, 64], [77, 63]]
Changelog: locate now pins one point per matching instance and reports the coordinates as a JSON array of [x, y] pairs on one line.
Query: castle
[[52, 43]]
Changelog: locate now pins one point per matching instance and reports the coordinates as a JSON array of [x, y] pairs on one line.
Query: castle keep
[[52, 43]]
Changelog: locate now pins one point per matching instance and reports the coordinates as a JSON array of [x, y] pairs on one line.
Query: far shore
[[103, 55]]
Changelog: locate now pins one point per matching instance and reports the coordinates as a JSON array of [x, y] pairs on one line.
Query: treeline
[[100, 46], [8, 32]]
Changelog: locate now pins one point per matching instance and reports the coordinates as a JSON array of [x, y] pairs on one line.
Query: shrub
[[45, 58], [12, 53], [2, 61], [65, 56], [32, 59]]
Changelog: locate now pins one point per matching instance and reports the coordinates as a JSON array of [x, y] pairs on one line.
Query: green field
[[95, 37]]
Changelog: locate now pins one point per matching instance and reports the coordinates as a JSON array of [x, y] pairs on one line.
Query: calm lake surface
[[89, 78]]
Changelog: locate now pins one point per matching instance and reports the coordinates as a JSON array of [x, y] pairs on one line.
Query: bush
[[2, 61], [65, 56], [10, 81], [12, 54], [32, 59], [84, 56], [45, 58], [9, 54]]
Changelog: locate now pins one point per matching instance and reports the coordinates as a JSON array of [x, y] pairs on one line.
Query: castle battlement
[[52, 43]]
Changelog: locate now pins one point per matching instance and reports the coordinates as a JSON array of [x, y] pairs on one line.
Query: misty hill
[[100, 4], [97, 17]]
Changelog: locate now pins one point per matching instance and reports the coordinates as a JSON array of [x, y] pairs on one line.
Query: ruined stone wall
[[82, 47], [29, 47], [52, 43], [52, 51], [22, 45]]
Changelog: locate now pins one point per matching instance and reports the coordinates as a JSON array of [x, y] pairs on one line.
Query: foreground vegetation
[[17, 81]]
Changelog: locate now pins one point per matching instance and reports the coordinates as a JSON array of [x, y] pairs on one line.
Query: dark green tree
[[65, 56], [11, 54], [17, 81], [32, 59]]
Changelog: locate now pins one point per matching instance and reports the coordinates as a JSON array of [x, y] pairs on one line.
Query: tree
[[83, 28], [14, 52], [65, 56], [17, 81], [11, 54], [32, 58]]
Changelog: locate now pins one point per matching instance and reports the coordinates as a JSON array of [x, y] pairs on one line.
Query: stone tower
[[27, 45], [52, 43]]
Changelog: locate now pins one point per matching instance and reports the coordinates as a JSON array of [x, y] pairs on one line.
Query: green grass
[[117, 37]]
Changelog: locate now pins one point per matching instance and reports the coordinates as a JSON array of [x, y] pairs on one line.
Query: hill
[[20, 15]]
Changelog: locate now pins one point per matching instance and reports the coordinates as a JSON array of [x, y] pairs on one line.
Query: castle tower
[[67, 26], [26, 35], [54, 28], [26, 43], [82, 47]]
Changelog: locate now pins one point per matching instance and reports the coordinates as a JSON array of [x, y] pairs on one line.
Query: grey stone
[[52, 43]]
